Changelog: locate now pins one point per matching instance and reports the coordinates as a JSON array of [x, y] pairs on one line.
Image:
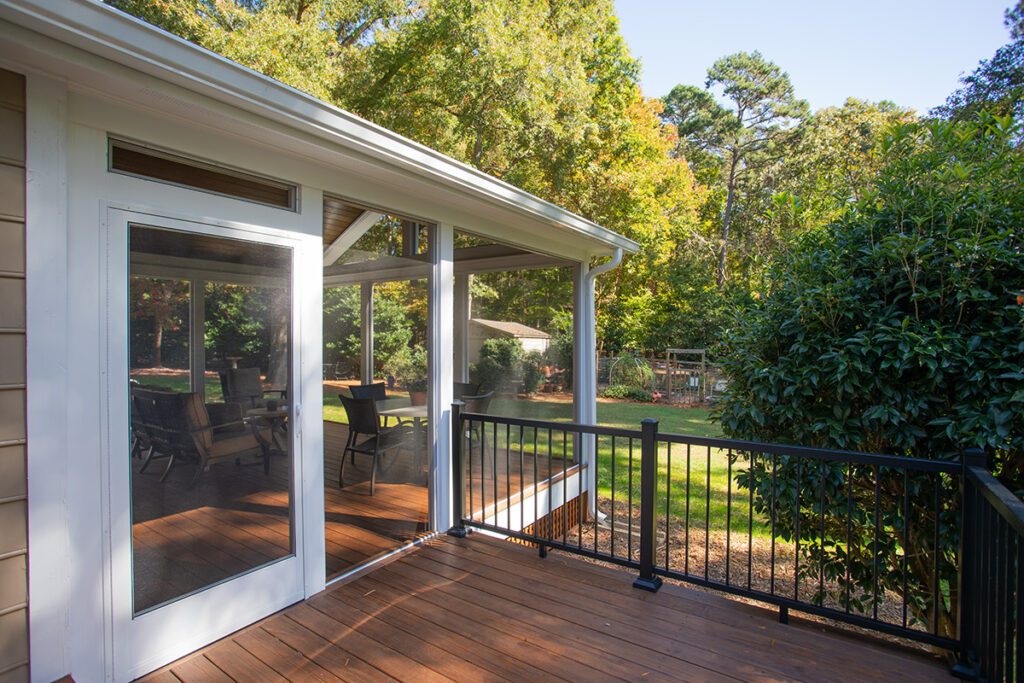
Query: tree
[[745, 138], [899, 330], [166, 303], [996, 86], [837, 154]]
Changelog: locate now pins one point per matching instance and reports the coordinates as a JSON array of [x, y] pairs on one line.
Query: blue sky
[[908, 51]]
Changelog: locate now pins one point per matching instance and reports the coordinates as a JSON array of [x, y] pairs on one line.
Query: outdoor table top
[[263, 412], [409, 411]]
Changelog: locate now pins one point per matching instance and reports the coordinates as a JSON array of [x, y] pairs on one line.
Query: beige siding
[[13, 486]]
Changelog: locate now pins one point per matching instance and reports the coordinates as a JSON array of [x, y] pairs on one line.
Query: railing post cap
[[973, 457], [650, 420]]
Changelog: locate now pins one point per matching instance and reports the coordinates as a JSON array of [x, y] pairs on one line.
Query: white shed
[[481, 329]]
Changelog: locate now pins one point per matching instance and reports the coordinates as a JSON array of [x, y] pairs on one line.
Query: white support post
[[54, 589], [585, 373], [441, 319], [197, 336], [366, 332], [462, 314]]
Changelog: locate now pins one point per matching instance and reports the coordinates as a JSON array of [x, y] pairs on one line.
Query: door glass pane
[[211, 460]]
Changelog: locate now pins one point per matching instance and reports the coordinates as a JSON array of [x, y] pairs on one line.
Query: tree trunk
[[158, 342], [723, 247], [277, 370]]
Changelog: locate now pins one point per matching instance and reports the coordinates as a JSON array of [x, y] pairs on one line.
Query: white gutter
[[605, 267]]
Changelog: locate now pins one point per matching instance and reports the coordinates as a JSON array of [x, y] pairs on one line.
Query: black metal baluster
[[494, 472], [593, 494], [686, 545], [849, 514], [508, 477], [906, 538], [550, 528], [750, 517], [611, 514], [565, 489], [469, 474], [796, 555], [668, 496], [874, 548], [939, 603], [728, 518], [522, 486], [707, 514], [629, 505], [536, 487], [1019, 608], [1001, 598], [483, 467], [577, 457], [775, 506], [821, 554]]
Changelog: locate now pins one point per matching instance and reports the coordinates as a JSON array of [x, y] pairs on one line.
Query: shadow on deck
[[483, 609]]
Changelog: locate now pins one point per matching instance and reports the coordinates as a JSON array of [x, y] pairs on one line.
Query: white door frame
[[146, 641]]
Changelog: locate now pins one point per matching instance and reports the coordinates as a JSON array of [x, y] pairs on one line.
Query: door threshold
[[369, 565]]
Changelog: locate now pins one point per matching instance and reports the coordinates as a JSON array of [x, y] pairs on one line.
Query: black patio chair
[[479, 405], [465, 389], [376, 391], [364, 421]]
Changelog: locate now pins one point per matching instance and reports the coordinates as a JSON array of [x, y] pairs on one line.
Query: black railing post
[[648, 522], [458, 473], [966, 665]]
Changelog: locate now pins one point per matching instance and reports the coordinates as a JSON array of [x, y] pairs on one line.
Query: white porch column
[[366, 332], [197, 336], [584, 373], [461, 331], [440, 325]]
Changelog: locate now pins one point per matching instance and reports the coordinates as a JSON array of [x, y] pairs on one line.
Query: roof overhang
[[113, 37]]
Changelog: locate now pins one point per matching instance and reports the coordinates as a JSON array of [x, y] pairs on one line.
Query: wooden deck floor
[[482, 609], [235, 518]]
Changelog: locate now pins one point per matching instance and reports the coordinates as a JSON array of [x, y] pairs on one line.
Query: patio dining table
[[418, 415]]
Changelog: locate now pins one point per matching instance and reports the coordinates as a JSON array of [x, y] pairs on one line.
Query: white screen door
[[203, 438]]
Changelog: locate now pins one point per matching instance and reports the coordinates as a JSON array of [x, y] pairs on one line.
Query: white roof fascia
[[101, 30]]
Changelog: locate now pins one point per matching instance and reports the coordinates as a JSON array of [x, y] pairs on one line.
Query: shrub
[[409, 367], [629, 393], [533, 376], [499, 360], [898, 330]]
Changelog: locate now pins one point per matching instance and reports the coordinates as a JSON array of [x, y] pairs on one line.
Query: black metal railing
[[992, 625], [871, 540]]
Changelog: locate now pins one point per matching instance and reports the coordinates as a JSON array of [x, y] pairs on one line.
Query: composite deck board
[[478, 609]]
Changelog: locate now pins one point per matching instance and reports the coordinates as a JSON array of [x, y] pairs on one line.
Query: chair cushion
[[234, 445]]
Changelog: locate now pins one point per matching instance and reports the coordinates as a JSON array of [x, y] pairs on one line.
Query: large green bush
[[898, 330], [499, 361]]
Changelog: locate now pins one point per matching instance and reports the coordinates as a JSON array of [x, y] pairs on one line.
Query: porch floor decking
[[484, 609]]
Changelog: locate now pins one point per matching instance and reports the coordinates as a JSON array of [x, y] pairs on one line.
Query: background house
[[480, 329]]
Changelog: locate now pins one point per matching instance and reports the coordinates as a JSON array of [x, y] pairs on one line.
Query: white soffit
[[105, 32]]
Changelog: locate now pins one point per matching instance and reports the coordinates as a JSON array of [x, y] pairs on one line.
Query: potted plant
[[409, 367]]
